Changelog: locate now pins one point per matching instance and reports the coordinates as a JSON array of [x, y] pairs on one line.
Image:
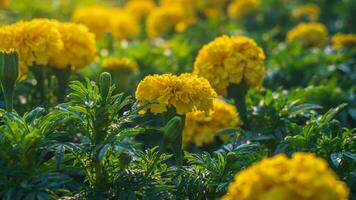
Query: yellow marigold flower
[[341, 40], [4, 3], [209, 8], [124, 26], [36, 41], [79, 47], [304, 176], [239, 8], [96, 18], [309, 34], [140, 8], [310, 10], [200, 127], [165, 19], [231, 60], [185, 93], [123, 65]]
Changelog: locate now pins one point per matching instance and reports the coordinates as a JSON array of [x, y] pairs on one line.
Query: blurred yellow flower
[[240, 8], [185, 93], [36, 41], [79, 47], [310, 11], [124, 26], [122, 65], [96, 18], [140, 8], [231, 60], [309, 34], [209, 8], [200, 127], [341, 40], [4, 3], [304, 176], [165, 19]]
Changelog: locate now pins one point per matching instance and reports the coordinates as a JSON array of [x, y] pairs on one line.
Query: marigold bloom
[[165, 19], [79, 47], [239, 8], [185, 93], [140, 8], [311, 11], [96, 18], [230, 60], [36, 41], [341, 40], [309, 34], [209, 8], [200, 127], [124, 26], [122, 65], [4, 3], [304, 176]]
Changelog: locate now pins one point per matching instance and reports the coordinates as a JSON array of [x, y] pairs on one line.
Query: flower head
[[140, 8], [231, 60], [124, 26], [304, 176], [341, 40], [96, 18], [4, 3], [36, 41], [309, 34], [79, 47], [239, 8], [123, 65], [200, 127], [185, 93], [165, 19], [311, 11]]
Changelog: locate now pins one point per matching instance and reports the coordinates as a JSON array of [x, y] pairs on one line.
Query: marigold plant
[[310, 11], [231, 60], [122, 65], [239, 8], [185, 93], [341, 40], [304, 176], [37, 41], [200, 127], [79, 47], [309, 34]]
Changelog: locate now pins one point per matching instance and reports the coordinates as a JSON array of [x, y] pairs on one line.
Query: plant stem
[[8, 95], [62, 76], [238, 93], [38, 72]]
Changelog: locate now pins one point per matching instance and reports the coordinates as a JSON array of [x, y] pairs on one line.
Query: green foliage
[[27, 167]]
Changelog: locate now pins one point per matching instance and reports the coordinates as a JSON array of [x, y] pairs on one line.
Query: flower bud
[[9, 72], [9, 66], [172, 132], [124, 159], [105, 84]]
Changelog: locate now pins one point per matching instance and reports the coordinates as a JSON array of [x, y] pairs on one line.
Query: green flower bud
[[124, 159], [105, 84], [9, 72]]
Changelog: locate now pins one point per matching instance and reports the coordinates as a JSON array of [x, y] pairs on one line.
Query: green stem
[[62, 76], [38, 72], [8, 95], [238, 93]]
